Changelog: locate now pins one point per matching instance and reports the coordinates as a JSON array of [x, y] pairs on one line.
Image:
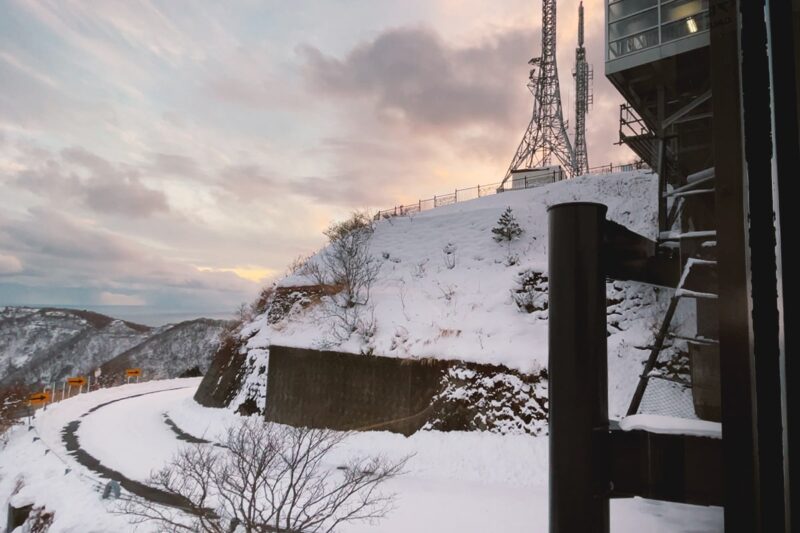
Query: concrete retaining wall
[[346, 391]]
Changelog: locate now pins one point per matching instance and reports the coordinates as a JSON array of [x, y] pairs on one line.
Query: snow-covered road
[[455, 482]]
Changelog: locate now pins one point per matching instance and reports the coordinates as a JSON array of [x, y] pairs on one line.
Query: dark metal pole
[[577, 370], [739, 445], [784, 31], [760, 249]]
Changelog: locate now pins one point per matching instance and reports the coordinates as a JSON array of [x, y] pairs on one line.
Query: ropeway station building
[[712, 91]]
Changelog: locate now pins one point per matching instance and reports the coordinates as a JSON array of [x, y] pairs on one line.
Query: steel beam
[[685, 109]]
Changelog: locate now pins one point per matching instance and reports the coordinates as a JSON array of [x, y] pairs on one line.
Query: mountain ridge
[[45, 345]]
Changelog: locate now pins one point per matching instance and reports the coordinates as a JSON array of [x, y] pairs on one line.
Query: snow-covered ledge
[[672, 426]]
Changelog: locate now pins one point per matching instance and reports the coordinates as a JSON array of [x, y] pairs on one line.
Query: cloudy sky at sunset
[[176, 155]]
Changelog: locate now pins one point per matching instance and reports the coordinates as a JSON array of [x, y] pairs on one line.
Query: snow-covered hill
[[46, 345], [186, 347], [447, 290]]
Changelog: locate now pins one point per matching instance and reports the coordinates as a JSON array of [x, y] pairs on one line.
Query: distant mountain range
[[45, 345]]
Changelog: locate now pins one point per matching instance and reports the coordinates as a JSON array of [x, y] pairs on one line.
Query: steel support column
[[761, 242], [784, 37], [579, 475]]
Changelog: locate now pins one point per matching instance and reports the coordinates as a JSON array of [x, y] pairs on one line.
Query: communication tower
[[546, 141], [583, 99]]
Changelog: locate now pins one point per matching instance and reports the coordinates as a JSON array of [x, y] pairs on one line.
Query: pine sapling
[[507, 228]]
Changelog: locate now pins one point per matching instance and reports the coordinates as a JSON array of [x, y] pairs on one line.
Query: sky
[[178, 155]]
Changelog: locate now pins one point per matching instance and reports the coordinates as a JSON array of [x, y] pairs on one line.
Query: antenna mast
[[583, 99], [546, 137]]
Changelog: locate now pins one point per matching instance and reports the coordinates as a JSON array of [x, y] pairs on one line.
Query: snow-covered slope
[[446, 288], [422, 308], [46, 345]]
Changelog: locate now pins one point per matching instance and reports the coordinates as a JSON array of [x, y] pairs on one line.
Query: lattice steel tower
[[583, 99], [546, 138]]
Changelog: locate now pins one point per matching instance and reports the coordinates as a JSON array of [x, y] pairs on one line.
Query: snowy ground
[[456, 482]]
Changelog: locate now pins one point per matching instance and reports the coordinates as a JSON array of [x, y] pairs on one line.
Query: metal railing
[[631, 124], [479, 191]]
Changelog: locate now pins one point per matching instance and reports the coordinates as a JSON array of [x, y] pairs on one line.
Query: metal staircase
[[698, 281]]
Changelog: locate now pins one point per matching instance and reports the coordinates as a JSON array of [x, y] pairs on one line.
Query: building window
[[681, 9], [623, 8], [684, 27], [633, 43], [634, 25]]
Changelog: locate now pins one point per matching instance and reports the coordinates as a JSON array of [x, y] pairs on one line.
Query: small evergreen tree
[[507, 228]]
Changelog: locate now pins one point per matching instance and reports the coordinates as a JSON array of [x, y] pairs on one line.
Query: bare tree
[[268, 478], [350, 264], [12, 401]]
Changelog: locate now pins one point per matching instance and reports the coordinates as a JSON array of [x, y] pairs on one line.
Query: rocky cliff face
[[46, 345]]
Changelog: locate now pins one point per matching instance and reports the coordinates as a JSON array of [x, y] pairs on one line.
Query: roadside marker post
[[38, 398], [133, 373], [78, 381]]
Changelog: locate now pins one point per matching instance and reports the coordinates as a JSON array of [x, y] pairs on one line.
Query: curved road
[[69, 435]]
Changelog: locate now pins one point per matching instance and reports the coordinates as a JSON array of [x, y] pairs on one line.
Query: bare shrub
[[530, 293], [357, 222], [230, 333], [297, 264], [12, 400], [512, 259], [267, 477], [449, 255], [419, 270], [40, 520], [350, 265], [448, 292], [314, 270], [261, 304]]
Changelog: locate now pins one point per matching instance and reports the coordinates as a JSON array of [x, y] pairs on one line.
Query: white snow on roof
[[672, 426]]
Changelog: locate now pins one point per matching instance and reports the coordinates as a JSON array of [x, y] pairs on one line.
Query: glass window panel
[[633, 24], [682, 28], [634, 43], [680, 9], [623, 8]]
